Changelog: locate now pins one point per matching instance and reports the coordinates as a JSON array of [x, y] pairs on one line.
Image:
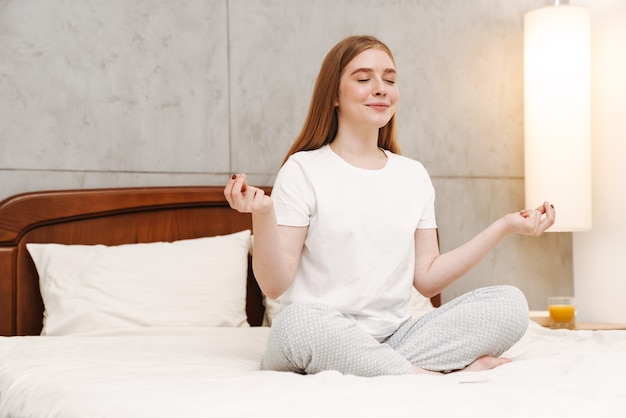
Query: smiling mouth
[[378, 106]]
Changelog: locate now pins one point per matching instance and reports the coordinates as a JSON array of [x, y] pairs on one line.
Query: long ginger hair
[[321, 124]]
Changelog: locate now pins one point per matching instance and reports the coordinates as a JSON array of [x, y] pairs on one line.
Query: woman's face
[[368, 93]]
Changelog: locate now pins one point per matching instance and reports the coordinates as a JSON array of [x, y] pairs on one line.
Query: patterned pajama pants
[[310, 338]]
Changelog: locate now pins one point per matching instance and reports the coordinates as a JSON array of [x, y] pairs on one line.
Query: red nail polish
[[234, 176]]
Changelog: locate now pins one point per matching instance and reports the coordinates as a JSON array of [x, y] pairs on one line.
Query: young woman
[[350, 227]]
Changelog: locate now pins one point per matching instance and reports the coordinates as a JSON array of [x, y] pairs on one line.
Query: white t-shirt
[[358, 255]]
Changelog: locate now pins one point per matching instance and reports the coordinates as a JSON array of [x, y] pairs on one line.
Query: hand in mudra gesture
[[245, 198], [532, 222]]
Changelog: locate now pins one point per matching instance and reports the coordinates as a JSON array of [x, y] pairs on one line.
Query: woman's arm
[[434, 271], [277, 249]]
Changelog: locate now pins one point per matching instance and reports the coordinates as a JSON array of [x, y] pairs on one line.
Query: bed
[[140, 302]]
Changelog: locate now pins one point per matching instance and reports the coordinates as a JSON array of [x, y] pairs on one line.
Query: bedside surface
[[543, 319]]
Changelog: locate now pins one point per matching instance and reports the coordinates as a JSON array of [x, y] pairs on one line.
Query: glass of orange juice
[[562, 312]]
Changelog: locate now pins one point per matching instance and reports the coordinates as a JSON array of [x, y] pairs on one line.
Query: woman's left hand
[[533, 221]]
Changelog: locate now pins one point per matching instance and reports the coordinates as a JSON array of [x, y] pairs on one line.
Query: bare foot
[[419, 370], [480, 364], [485, 363]]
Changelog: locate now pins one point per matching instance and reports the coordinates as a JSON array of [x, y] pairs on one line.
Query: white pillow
[[188, 283]]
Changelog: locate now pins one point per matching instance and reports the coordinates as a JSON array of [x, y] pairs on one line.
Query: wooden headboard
[[104, 216]]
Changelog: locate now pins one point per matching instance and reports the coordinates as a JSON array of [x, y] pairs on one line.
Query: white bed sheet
[[214, 373]]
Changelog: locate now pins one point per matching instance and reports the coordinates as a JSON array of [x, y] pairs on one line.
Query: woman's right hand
[[244, 198]]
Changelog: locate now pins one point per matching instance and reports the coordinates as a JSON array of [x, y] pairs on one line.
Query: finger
[[550, 217], [233, 192], [244, 186], [228, 189], [542, 208], [229, 184], [232, 178], [528, 212], [239, 186]]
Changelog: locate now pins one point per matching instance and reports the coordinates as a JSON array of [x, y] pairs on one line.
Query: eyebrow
[[369, 70]]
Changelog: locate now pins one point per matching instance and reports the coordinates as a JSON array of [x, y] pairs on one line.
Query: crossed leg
[[468, 333]]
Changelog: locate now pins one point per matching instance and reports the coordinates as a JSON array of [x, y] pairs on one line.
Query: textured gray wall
[[173, 92]]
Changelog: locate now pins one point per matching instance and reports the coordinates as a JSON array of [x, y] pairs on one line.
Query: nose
[[379, 88]]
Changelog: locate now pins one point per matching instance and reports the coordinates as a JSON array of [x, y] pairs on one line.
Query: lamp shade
[[557, 127]]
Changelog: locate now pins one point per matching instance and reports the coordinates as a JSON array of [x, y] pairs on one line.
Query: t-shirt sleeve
[[428, 219], [292, 195]]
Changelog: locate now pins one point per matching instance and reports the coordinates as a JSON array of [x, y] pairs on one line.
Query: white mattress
[[214, 373]]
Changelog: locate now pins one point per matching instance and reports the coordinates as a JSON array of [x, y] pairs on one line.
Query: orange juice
[[563, 314]]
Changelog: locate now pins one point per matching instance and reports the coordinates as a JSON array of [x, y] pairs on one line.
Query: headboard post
[[7, 291]]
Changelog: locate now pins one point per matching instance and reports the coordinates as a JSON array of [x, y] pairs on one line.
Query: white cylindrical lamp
[[557, 127]]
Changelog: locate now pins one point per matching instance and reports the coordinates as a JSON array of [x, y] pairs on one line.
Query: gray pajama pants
[[310, 338]]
